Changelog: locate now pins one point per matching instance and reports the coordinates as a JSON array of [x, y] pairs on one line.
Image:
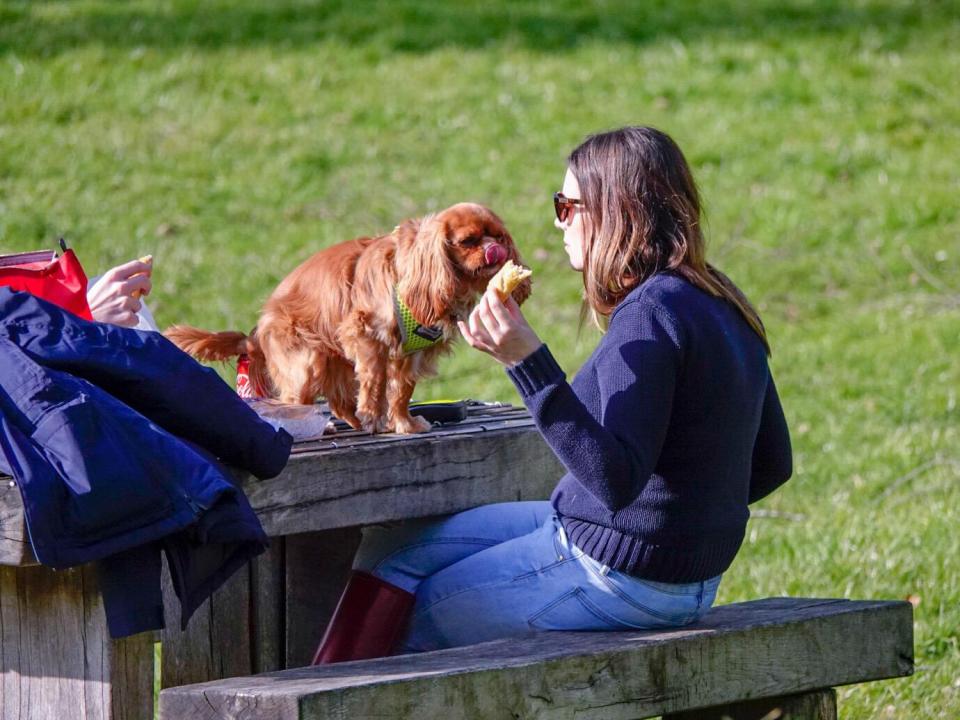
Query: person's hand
[[114, 298], [499, 329]]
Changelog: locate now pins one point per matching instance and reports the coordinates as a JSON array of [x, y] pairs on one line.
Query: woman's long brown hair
[[643, 217]]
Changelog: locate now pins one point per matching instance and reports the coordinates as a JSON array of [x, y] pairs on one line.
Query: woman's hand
[[114, 298], [499, 329]]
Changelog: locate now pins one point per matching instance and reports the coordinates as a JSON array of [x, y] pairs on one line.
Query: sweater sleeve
[[772, 456], [636, 368]]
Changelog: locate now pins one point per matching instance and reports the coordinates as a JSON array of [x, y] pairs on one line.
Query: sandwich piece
[[148, 259], [507, 279]]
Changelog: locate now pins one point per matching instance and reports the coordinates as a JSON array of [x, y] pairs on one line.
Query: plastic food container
[[303, 422]]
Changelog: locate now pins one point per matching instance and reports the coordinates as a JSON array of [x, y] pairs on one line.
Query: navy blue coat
[[113, 436]]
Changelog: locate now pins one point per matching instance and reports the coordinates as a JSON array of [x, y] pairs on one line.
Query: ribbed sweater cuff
[[535, 372]]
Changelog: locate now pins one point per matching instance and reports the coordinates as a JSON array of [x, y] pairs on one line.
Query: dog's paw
[[411, 425], [373, 424]]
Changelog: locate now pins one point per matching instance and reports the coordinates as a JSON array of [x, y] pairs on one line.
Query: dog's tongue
[[495, 254]]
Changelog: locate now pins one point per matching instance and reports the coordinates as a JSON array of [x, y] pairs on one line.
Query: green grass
[[233, 139]]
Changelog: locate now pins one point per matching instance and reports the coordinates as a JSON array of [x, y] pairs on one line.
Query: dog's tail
[[206, 345], [209, 346]]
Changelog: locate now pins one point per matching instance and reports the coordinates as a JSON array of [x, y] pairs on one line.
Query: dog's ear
[[511, 247], [426, 278]]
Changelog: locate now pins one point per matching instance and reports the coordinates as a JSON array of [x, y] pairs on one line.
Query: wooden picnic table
[[56, 655]]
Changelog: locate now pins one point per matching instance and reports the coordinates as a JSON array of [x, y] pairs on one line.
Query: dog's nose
[[494, 254]]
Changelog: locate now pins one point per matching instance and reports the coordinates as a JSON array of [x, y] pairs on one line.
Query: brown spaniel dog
[[362, 321]]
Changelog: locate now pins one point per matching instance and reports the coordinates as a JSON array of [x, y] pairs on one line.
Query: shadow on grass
[[49, 28]]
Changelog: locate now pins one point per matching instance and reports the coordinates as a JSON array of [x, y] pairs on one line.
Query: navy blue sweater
[[668, 431]]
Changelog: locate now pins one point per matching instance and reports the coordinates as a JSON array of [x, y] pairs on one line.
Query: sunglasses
[[564, 206]]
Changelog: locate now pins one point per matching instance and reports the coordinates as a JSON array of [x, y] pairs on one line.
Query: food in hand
[[148, 260], [507, 279]]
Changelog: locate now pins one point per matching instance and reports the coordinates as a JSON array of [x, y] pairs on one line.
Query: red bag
[[58, 279]]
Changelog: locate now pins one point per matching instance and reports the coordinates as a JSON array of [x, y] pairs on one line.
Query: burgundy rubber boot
[[368, 620]]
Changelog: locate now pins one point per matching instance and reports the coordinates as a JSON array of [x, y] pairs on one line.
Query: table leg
[[218, 640], [57, 658], [268, 616]]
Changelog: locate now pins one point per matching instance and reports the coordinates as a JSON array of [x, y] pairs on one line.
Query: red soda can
[[245, 388]]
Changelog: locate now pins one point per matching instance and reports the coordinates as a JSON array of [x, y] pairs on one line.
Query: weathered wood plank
[[186, 656], [766, 648], [415, 477], [317, 566], [820, 705], [230, 625], [14, 540], [132, 669], [57, 659], [52, 650], [11, 645], [267, 608], [217, 641], [119, 673]]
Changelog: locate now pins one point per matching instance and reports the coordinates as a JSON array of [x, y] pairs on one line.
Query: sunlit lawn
[[232, 139]]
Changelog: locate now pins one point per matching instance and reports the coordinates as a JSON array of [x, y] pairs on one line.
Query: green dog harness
[[414, 336]]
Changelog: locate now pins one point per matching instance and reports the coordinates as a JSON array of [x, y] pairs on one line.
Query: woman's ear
[[426, 279]]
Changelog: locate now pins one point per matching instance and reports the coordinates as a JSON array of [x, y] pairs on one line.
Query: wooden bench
[[58, 661], [773, 658]]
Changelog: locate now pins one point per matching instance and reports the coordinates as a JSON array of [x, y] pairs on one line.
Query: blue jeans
[[508, 569]]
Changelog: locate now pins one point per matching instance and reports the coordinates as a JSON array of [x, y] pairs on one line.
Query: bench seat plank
[[758, 649]]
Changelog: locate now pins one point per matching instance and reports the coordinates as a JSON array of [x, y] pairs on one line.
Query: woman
[[669, 430]]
